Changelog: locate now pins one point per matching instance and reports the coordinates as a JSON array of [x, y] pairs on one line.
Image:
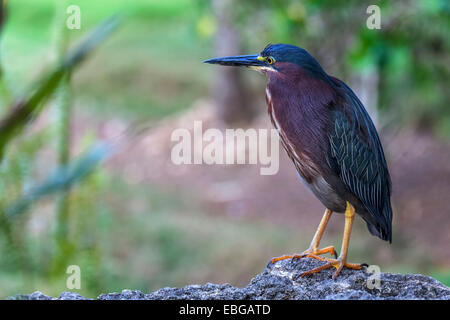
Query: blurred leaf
[[206, 26], [25, 107], [3, 13], [62, 179]]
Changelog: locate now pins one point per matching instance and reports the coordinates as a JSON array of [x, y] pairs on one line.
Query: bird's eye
[[270, 60]]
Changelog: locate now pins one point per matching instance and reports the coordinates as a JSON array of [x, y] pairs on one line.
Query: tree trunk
[[229, 88], [366, 87]]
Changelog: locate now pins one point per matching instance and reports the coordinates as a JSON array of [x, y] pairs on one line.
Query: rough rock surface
[[276, 282]]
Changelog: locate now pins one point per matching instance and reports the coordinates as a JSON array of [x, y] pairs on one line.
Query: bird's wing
[[357, 156]]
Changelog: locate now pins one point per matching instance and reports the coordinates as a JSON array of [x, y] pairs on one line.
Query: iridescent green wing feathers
[[357, 157]]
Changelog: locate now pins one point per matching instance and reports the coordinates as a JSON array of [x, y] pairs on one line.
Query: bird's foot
[[338, 263], [310, 253], [314, 253]]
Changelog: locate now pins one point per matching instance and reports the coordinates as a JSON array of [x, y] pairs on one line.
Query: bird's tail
[[383, 230]]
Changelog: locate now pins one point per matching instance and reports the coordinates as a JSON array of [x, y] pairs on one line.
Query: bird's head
[[274, 59]]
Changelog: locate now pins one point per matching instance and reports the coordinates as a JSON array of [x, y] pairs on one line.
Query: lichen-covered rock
[[276, 282]]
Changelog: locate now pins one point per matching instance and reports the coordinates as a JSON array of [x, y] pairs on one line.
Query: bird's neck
[[299, 107], [298, 91]]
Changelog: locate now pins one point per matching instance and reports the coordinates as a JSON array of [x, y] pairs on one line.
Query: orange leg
[[341, 261], [313, 251]]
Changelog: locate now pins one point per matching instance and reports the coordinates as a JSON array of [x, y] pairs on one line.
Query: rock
[[37, 295], [276, 282], [40, 296], [71, 296]]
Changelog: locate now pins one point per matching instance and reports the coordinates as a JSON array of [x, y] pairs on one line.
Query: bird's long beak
[[239, 61]]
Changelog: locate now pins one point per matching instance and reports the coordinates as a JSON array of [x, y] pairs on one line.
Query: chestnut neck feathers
[[300, 101]]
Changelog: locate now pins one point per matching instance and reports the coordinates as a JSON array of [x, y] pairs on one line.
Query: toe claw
[[296, 257], [271, 263], [337, 272]]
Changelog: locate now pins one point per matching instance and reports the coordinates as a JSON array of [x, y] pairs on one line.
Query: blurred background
[[86, 177]]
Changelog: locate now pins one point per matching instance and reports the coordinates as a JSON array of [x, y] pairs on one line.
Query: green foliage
[[410, 51], [30, 105], [62, 179], [19, 151], [142, 236], [146, 70]]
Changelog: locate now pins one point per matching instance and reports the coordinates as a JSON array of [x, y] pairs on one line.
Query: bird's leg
[[313, 251], [341, 261]]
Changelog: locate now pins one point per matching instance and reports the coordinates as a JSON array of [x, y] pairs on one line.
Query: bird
[[332, 142]]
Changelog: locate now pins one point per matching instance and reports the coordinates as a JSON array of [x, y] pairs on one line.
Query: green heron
[[330, 138]]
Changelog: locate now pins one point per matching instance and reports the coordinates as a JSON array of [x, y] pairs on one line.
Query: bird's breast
[[308, 171], [304, 165]]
